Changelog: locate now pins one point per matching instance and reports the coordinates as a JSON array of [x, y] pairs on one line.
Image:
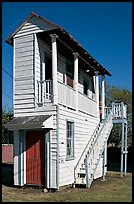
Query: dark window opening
[[85, 84], [48, 68], [70, 75]]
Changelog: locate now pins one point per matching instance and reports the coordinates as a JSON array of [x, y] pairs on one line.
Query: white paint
[[97, 93], [48, 123], [76, 78], [54, 68], [103, 96]]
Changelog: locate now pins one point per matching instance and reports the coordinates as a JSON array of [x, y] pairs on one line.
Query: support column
[[76, 78], [125, 165], [122, 149], [54, 68], [97, 92], [103, 96]]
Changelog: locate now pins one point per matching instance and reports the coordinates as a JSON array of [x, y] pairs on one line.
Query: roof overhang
[[88, 62], [31, 122]]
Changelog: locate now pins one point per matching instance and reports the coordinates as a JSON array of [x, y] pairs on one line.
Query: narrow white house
[[59, 138]]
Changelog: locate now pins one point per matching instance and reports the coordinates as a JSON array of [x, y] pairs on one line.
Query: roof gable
[[32, 24]]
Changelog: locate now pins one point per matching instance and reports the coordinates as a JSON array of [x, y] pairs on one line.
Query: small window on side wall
[[70, 140]]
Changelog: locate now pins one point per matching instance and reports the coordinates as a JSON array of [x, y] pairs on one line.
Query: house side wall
[[23, 74], [84, 126]]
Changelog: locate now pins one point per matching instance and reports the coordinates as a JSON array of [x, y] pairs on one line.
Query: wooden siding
[[34, 25], [23, 74], [84, 126]]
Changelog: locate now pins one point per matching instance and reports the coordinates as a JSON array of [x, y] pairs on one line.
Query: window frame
[[70, 157]]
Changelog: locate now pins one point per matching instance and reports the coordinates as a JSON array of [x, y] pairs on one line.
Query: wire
[[7, 73], [7, 95]]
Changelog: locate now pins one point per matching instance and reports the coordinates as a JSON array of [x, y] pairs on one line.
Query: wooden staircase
[[87, 164], [85, 169]]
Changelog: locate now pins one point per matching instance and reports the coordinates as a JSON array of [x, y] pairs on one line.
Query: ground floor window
[[70, 140]]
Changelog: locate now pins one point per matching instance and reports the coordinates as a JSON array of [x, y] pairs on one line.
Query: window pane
[[70, 138]]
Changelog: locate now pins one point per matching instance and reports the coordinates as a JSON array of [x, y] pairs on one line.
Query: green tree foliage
[[7, 136], [117, 94]]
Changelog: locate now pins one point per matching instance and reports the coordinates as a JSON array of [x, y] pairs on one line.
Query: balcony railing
[[66, 97], [85, 104], [45, 91]]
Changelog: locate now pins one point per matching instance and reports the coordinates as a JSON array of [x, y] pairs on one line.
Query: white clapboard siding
[[24, 101], [34, 25], [84, 126], [23, 74]]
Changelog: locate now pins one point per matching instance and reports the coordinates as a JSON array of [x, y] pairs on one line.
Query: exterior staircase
[[85, 169]]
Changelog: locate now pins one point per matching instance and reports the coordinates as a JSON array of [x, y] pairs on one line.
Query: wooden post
[[76, 78], [125, 165], [86, 171], [97, 92], [54, 68], [122, 148], [103, 96]]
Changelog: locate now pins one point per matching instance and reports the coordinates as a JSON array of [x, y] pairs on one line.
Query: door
[[35, 154]]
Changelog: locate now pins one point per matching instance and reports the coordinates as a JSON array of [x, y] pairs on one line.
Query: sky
[[104, 29]]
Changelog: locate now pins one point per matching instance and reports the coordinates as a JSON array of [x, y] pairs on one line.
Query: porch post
[[103, 96], [54, 67], [97, 92], [76, 78]]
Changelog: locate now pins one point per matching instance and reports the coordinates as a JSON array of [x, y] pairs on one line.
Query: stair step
[[80, 181], [81, 175]]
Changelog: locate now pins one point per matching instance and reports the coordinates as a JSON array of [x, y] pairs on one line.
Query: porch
[[66, 97]]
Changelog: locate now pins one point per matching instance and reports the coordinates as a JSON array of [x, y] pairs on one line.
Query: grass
[[113, 189]]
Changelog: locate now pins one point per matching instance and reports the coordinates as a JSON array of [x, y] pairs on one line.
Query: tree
[[7, 136], [117, 94]]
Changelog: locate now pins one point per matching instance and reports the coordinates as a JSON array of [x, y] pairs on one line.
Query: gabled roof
[[66, 36]]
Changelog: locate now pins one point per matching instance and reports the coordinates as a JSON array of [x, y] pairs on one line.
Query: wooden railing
[[66, 95], [85, 104], [119, 110], [45, 92]]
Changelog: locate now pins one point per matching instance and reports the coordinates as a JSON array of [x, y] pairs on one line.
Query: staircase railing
[[85, 151], [101, 138]]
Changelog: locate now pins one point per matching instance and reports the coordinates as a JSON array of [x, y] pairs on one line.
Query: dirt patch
[[113, 189]]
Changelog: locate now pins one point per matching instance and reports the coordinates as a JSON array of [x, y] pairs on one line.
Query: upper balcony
[[66, 97]]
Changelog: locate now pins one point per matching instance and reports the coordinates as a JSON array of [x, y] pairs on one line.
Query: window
[[70, 140], [69, 74]]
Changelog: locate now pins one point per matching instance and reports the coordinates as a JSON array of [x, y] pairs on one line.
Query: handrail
[[95, 133], [87, 145]]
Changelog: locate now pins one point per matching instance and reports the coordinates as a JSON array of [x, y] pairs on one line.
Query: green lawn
[[113, 189]]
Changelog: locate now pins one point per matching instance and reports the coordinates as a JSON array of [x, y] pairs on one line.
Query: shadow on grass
[[7, 174]]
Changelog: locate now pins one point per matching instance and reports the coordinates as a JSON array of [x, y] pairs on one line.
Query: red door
[[35, 157]]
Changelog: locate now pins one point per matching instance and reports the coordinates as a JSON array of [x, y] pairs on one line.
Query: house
[[59, 138]]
